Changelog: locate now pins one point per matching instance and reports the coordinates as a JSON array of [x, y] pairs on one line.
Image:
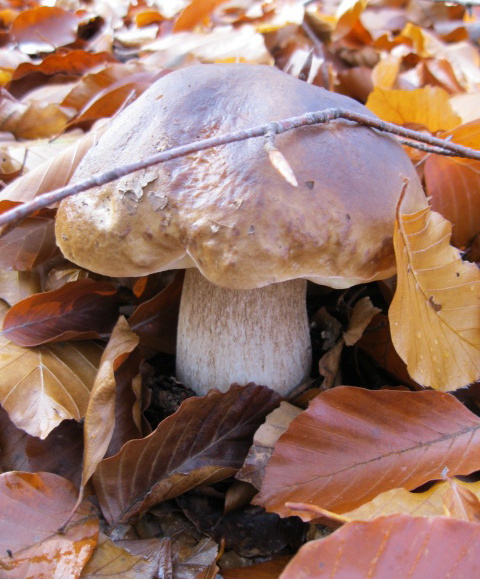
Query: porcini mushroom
[[248, 238]]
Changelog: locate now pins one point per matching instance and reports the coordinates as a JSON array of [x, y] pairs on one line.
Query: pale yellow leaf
[[429, 503], [435, 312]]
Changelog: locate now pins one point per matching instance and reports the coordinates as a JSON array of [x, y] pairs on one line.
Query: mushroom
[[248, 239]]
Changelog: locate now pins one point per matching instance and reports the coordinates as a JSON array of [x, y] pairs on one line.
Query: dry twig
[[11, 218]]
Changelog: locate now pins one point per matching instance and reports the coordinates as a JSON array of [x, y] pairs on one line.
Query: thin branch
[[9, 219]]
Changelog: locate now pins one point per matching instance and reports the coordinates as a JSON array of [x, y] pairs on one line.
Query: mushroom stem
[[226, 336]]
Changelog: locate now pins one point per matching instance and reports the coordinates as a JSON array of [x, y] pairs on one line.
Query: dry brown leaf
[[453, 185], [352, 444], [109, 561], [396, 547], [100, 414], [362, 315], [205, 441], [53, 173], [264, 441], [435, 312], [428, 106], [34, 120], [32, 508], [44, 385], [18, 285]]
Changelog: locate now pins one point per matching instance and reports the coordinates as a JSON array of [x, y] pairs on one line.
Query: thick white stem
[[227, 336]]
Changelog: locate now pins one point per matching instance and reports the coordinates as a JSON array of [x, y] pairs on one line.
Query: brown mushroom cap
[[226, 210]]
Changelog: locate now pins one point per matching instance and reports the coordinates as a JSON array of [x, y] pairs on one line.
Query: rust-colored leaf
[[205, 441], [155, 320], [32, 508], [428, 106], [79, 310], [75, 62], [453, 184], [268, 570], [352, 444], [29, 244], [42, 386], [435, 312], [396, 547], [44, 28], [100, 416]]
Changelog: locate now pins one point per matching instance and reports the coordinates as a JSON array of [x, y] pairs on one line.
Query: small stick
[[9, 219]]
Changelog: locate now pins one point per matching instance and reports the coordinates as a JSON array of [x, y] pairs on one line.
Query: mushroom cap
[[227, 210]]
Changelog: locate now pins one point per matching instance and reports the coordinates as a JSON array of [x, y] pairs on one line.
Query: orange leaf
[[369, 442], [453, 184], [395, 547], [44, 28], [435, 312], [428, 106], [195, 13]]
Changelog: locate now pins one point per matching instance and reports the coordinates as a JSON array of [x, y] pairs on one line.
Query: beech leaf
[[100, 415], [453, 184], [109, 561], [42, 386], [396, 547], [428, 106], [435, 312], [352, 444], [78, 310], [205, 441], [30, 244], [32, 508]]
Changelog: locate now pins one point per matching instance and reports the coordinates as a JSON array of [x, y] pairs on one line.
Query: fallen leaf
[[205, 441], [267, 570], [42, 386], [79, 310], [195, 13], [396, 547], [428, 106], [362, 314], [31, 243], [461, 502], [453, 185], [111, 561], [100, 415], [428, 503], [60, 452], [435, 312], [370, 442], [32, 508], [44, 28], [155, 320], [53, 173], [264, 441]]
